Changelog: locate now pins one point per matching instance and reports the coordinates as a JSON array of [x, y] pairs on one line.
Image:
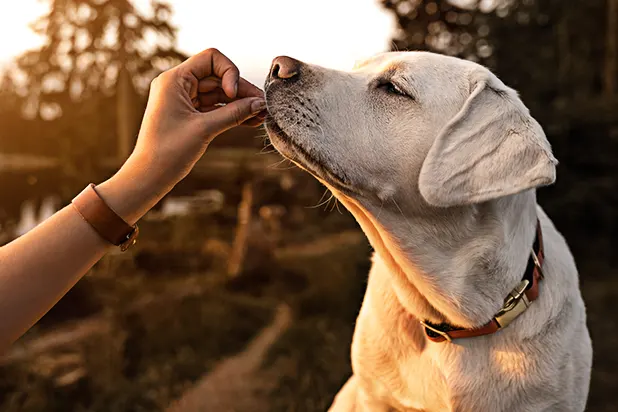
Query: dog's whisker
[[328, 202], [332, 207], [264, 151], [337, 205], [286, 168], [322, 131], [402, 215], [326, 191], [277, 164], [380, 210], [320, 202]]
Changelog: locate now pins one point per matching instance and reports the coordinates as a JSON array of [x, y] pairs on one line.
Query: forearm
[[183, 115], [38, 268]]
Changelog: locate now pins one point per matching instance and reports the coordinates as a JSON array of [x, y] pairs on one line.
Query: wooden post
[[239, 247], [125, 108]]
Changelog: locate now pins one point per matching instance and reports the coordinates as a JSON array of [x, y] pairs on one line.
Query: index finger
[[245, 87], [211, 62], [248, 89]]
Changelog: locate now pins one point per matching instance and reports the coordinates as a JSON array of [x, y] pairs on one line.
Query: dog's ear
[[491, 148]]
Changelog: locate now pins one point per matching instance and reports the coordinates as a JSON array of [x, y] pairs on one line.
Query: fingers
[[233, 114], [212, 62], [256, 120], [245, 88], [211, 94], [208, 84], [212, 98], [217, 90]]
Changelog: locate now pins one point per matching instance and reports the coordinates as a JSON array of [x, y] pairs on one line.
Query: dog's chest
[[403, 376], [393, 359], [398, 365]]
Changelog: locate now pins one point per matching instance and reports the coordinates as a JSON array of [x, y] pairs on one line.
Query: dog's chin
[[280, 140], [297, 154]]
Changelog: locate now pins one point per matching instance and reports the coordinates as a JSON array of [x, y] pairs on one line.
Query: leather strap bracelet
[[111, 227]]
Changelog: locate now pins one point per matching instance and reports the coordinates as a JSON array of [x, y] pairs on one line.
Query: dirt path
[[236, 384]]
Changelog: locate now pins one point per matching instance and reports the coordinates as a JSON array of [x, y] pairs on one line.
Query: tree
[[10, 103], [94, 70], [551, 51], [441, 26]]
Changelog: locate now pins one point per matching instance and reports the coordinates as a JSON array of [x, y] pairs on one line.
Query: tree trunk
[[125, 107], [239, 248]]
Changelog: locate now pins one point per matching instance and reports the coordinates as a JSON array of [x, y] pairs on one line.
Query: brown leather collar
[[514, 305]]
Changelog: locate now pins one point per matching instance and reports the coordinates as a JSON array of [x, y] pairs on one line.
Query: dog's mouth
[[304, 158]]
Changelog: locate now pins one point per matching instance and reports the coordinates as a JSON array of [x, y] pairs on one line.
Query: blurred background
[[243, 290]]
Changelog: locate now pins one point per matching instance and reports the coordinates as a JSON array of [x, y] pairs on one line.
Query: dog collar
[[515, 304]]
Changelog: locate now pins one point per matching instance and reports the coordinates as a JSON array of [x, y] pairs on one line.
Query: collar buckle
[[515, 304]]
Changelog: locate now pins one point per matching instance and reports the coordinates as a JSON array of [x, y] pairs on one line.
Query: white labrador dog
[[438, 161]]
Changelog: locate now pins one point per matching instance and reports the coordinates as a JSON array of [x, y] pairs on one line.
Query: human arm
[[181, 119]]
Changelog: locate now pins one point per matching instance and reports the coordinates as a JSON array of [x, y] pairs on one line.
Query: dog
[[473, 300]]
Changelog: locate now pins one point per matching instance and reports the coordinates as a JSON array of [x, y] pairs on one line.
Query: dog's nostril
[[285, 68], [275, 71]]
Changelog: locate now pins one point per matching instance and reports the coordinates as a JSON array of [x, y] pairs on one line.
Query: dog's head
[[426, 129], [435, 158]]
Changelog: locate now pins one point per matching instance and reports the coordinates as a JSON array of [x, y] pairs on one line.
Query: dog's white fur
[[442, 181]]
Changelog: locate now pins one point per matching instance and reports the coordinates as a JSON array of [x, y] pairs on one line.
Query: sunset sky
[[332, 33]]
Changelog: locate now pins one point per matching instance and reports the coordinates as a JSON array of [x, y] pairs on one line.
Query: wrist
[[134, 189]]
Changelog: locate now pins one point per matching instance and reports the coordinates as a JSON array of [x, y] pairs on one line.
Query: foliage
[[71, 84], [89, 42]]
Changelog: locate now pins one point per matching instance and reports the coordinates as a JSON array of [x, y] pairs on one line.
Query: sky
[[331, 33]]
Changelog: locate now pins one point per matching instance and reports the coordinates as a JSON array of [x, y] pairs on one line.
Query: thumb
[[233, 114]]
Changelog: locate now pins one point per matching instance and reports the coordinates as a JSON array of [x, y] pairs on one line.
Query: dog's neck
[[452, 265]]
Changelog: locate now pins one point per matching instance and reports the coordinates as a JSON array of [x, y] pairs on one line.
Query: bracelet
[[111, 227]]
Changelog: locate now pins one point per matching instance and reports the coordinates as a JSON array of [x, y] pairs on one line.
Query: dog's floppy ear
[[491, 148]]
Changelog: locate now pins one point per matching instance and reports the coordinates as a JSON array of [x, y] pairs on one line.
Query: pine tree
[[89, 42], [93, 71]]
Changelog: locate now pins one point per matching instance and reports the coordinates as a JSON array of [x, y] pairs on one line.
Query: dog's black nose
[[285, 68]]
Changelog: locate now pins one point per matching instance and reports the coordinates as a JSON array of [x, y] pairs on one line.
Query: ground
[[142, 328]]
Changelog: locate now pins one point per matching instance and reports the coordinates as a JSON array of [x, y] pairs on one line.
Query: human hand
[[188, 107], [184, 114]]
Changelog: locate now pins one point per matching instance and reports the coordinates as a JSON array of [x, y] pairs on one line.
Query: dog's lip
[[303, 158]]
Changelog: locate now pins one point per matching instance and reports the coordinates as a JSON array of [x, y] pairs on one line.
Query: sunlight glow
[[15, 33], [251, 32], [330, 33]]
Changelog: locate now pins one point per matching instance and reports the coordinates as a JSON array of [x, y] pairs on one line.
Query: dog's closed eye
[[390, 87]]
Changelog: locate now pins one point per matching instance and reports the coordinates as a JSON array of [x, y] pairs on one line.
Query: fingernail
[[258, 105], [235, 89]]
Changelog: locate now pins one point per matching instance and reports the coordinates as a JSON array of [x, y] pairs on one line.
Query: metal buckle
[[514, 305], [439, 332], [131, 239], [535, 259]]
